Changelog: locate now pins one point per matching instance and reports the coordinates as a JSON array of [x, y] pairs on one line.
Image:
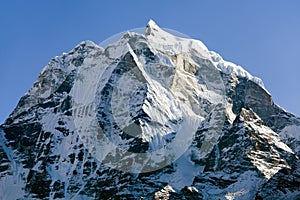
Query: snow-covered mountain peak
[[167, 42], [151, 115], [152, 25]]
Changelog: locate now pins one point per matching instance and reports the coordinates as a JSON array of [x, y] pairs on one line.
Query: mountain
[[151, 116]]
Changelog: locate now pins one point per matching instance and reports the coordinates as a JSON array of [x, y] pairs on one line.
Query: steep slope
[[150, 116]]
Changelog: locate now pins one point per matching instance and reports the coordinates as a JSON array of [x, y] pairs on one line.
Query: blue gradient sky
[[261, 36]]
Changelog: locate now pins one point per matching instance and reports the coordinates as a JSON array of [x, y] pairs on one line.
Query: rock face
[[151, 116]]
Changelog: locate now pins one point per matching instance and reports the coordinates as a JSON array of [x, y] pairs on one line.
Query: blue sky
[[261, 36]]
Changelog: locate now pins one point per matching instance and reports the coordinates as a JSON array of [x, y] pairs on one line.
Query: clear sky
[[261, 36]]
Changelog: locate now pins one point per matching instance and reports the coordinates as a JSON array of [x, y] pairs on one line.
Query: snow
[[231, 68], [292, 131], [10, 189], [152, 25], [185, 172], [173, 45], [164, 193], [244, 188], [192, 189], [229, 113], [12, 185], [234, 195]]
